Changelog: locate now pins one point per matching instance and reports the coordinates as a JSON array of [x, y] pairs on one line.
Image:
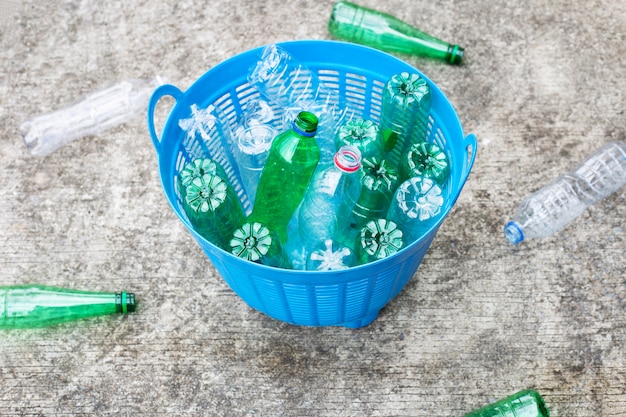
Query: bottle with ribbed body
[[416, 207], [358, 24], [379, 181], [213, 208], [378, 239], [424, 159], [404, 113], [555, 205], [254, 242], [291, 162], [328, 201], [363, 135], [31, 306]]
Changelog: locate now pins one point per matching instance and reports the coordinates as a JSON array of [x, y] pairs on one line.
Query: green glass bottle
[[197, 168], [256, 243], [424, 159], [213, 209], [31, 306], [290, 164], [404, 113], [526, 403], [358, 24], [363, 135], [377, 240]]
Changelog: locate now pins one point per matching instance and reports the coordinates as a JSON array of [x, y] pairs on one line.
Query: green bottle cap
[[125, 302]]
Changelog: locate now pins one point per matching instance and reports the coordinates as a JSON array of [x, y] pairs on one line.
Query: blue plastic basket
[[352, 297]]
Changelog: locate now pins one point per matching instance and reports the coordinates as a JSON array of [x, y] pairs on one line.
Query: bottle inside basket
[[379, 181], [282, 79], [213, 208], [291, 162], [416, 207], [377, 240], [328, 201], [526, 403], [555, 205], [404, 113], [363, 135], [383, 31], [196, 169], [254, 242], [425, 159], [330, 255]]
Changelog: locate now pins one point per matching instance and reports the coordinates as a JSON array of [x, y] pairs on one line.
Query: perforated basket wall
[[353, 297]]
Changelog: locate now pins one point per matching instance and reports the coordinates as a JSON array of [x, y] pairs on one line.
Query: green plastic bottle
[[404, 113], [256, 243], [379, 181], [290, 164], [213, 209], [31, 306], [377, 240], [526, 403], [425, 159], [363, 135], [196, 169], [358, 24]]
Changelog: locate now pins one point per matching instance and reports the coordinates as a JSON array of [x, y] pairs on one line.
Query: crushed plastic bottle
[[552, 207], [93, 114]]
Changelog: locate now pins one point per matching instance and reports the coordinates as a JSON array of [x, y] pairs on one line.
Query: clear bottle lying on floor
[[555, 205], [32, 306], [526, 403]]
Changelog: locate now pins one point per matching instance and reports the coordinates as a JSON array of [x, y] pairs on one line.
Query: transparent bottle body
[[558, 203], [93, 114], [328, 201], [31, 306]]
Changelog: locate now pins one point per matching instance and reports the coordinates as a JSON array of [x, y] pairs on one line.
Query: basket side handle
[[158, 94], [471, 146]]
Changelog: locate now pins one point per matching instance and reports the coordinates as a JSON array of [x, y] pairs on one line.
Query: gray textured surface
[[542, 85]]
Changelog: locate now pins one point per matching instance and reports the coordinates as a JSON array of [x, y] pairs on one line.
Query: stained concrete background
[[543, 84]]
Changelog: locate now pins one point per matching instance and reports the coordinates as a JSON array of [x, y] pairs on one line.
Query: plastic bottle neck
[[348, 159], [513, 233], [305, 124]]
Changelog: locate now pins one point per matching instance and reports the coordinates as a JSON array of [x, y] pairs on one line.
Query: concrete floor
[[543, 84]]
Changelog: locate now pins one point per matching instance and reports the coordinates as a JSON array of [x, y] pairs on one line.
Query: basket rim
[[293, 47]]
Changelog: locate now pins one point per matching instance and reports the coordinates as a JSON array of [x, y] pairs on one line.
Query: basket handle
[[159, 93], [471, 146]]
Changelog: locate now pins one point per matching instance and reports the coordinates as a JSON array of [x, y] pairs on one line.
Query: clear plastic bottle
[[330, 256], [383, 31], [378, 239], [555, 205], [416, 207], [404, 113], [281, 78], [292, 160], [31, 306], [91, 115], [327, 203], [526, 403], [254, 242], [252, 147], [213, 209]]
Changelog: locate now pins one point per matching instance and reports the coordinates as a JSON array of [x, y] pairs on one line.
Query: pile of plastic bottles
[[329, 189]]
